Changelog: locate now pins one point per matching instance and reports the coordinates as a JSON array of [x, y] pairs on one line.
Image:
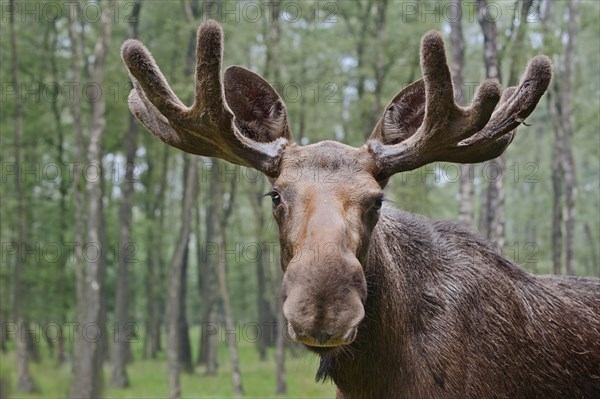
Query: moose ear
[[403, 116], [260, 113]]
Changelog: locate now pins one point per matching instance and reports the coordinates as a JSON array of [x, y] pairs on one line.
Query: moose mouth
[[326, 344]]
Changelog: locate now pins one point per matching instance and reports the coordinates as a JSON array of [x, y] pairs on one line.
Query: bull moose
[[399, 306]]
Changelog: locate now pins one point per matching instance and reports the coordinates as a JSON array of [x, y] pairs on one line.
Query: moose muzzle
[[324, 300]]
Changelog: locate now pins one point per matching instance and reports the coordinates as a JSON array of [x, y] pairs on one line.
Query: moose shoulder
[[402, 306], [449, 317]]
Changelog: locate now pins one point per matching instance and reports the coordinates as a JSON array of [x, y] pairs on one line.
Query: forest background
[[109, 238]]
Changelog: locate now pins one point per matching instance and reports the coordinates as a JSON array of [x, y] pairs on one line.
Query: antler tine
[[517, 102], [450, 132], [439, 92], [207, 127], [154, 121], [147, 113], [209, 59], [143, 68]]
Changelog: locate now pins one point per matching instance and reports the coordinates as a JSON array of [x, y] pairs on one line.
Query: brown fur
[[445, 315], [448, 317], [326, 192], [395, 305]]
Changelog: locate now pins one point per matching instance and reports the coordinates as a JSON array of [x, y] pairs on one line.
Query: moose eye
[[378, 203], [275, 197]]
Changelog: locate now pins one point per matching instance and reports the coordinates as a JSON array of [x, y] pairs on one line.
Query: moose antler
[[209, 126], [423, 124]]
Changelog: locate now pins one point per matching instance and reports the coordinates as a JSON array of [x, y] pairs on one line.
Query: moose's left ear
[[403, 116], [260, 113]]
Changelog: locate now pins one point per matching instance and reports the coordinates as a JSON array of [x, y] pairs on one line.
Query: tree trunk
[[159, 298], [220, 240], [175, 277], [149, 281], [264, 311], [272, 68], [378, 66], [78, 188], [563, 167], [266, 318], [280, 337], [4, 333], [87, 378], [236, 375], [63, 189], [592, 246], [104, 349], [567, 119], [557, 187], [458, 51], [517, 53], [185, 351], [123, 326], [33, 349], [212, 361], [301, 131], [206, 270], [280, 353], [154, 279], [557, 162], [466, 189], [360, 37], [25, 382], [492, 209], [201, 360]]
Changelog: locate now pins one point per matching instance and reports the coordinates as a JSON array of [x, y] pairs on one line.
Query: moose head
[[327, 196]]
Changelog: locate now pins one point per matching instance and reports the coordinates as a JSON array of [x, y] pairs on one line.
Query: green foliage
[[148, 376], [326, 59]]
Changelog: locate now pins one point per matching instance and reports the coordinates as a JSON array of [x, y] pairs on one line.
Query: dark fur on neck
[[326, 364], [446, 316]]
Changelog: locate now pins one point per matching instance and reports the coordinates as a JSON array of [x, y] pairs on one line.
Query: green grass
[[148, 378]]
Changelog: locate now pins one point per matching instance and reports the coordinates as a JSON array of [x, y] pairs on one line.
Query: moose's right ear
[[403, 116], [260, 113]]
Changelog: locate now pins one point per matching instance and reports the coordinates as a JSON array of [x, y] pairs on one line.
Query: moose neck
[[443, 309], [400, 245]]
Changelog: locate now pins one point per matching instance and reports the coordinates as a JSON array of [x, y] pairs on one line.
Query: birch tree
[[25, 382]]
